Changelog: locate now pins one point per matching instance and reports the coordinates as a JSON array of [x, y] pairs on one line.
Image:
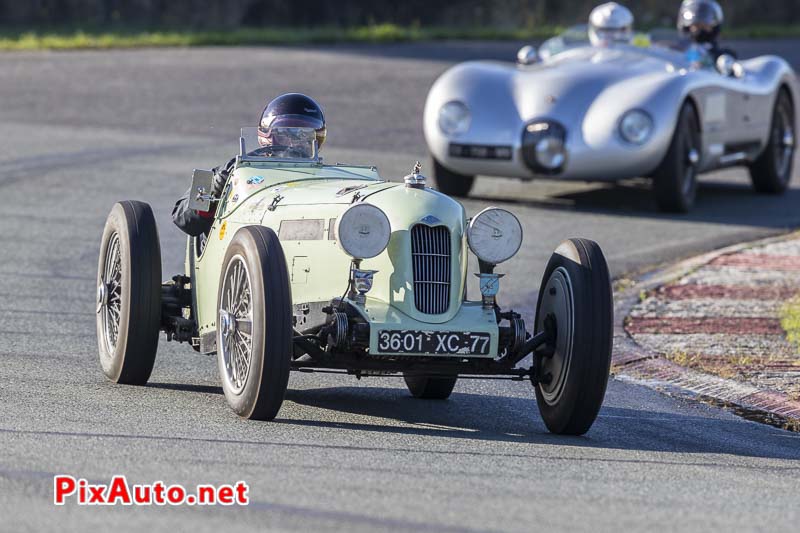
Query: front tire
[[576, 299], [429, 388], [675, 180], [254, 324], [772, 171], [452, 183], [129, 293]]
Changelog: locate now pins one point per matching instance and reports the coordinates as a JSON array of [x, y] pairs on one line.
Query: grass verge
[[128, 38], [58, 39]]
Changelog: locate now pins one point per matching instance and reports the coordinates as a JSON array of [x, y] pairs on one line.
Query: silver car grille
[[430, 253]]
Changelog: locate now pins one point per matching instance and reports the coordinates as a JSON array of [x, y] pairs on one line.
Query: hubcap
[[102, 296], [788, 138], [235, 325], [227, 322], [558, 304], [690, 167], [693, 157]]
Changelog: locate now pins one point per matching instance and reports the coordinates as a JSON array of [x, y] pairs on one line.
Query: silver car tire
[[772, 171], [452, 183], [675, 180]]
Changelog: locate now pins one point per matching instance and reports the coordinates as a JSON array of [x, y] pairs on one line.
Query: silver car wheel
[[109, 294], [784, 143], [559, 303], [690, 165], [236, 323]]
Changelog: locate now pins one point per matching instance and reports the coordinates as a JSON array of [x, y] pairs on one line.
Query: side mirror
[[726, 65], [527, 55], [200, 193]]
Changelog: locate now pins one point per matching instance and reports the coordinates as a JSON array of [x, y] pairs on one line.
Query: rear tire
[[576, 294], [675, 180], [452, 183], [254, 324], [428, 388], [129, 294], [772, 171]]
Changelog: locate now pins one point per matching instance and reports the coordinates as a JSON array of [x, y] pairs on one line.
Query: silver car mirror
[[725, 65], [527, 55], [200, 194]]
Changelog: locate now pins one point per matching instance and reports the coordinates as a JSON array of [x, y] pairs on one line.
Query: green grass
[[790, 321], [127, 38], [70, 38]]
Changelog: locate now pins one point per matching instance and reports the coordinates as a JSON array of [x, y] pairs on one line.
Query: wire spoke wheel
[[235, 321], [128, 312], [254, 323], [109, 294]]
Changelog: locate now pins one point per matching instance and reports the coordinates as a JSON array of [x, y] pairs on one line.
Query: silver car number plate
[[433, 342]]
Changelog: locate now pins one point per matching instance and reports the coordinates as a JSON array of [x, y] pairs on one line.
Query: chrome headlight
[[363, 231], [636, 126], [454, 118], [494, 235], [544, 147]]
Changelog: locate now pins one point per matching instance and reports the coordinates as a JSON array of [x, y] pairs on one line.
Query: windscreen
[[280, 143], [571, 38]]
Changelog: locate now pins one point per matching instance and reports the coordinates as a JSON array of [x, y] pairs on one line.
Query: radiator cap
[[415, 180]]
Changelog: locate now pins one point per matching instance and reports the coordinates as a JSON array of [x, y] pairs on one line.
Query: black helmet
[[293, 110], [701, 20]]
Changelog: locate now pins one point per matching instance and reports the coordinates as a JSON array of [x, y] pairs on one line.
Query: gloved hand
[[220, 179]]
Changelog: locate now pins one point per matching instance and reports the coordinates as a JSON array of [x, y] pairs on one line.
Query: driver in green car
[[281, 133]]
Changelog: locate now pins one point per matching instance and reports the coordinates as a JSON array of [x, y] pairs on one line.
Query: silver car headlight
[[494, 235], [550, 152], [363, 231], [636, 126], [454, 118]]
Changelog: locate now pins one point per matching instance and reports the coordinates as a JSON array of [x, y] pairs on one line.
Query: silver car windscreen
[[572, 37]]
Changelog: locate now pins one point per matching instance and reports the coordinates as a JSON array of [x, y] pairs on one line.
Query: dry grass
[[725, 367], [790, 321]]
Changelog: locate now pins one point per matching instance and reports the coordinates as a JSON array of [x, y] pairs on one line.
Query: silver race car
[[572, 111]]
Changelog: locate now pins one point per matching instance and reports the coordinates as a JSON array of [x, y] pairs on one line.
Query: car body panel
[[300, 203], [588, 90]]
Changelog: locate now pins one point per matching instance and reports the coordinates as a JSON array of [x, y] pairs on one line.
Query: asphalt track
[[81, 130]]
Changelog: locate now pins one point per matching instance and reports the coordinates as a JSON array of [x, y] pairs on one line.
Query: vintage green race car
[[315, 267]]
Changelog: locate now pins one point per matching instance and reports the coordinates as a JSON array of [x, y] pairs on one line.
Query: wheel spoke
[[110, 294], [245, 326]]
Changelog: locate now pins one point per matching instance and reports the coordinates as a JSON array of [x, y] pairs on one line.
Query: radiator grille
[[430, 253]]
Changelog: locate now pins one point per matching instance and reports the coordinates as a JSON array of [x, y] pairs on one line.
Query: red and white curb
[[716, 307]]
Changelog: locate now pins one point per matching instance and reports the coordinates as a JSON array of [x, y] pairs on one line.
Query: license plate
[[433, 342]]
